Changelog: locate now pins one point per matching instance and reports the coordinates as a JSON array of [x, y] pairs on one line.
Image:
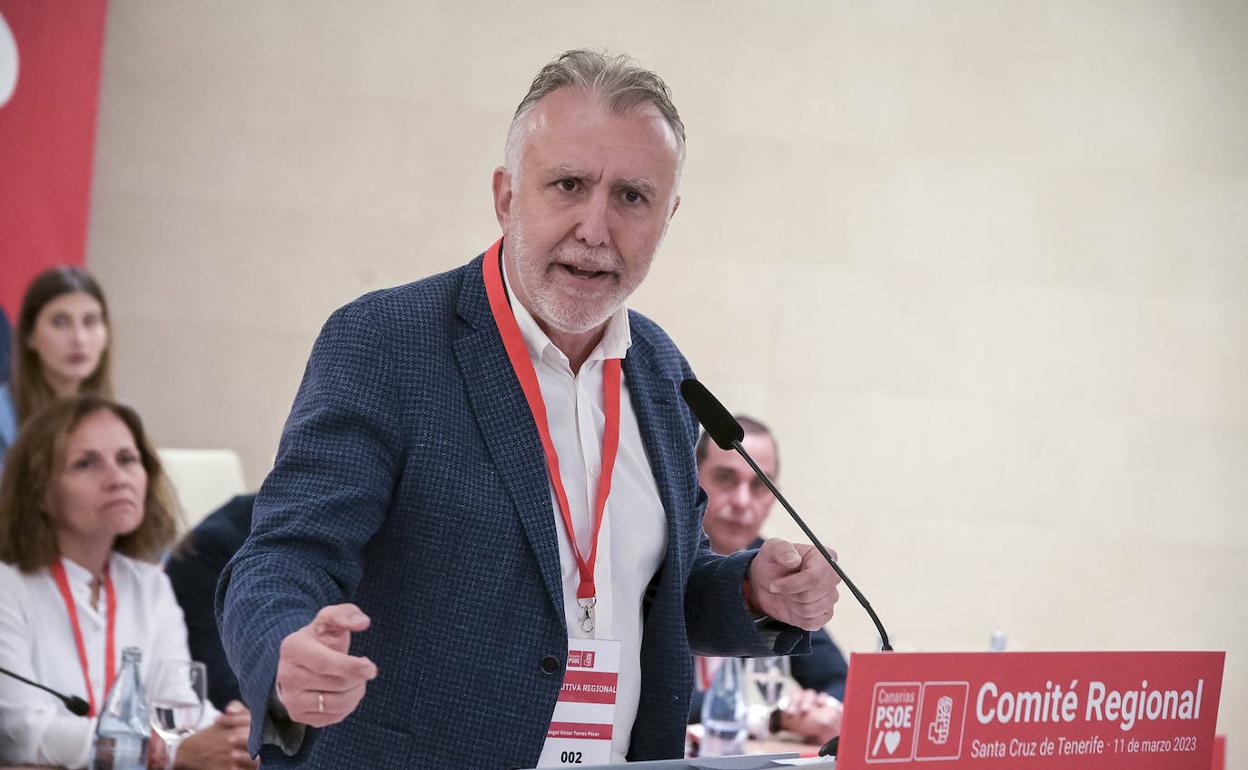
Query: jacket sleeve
[[716, 616], [824, 669], [327, 495]]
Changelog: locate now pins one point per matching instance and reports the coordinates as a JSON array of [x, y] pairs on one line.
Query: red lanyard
[[513, 341], [704, 672], [110, 661]]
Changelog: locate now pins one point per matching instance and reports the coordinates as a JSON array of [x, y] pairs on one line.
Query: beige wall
[[982, 264]]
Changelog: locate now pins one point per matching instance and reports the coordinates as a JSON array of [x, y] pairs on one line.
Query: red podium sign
[[1040, 710]]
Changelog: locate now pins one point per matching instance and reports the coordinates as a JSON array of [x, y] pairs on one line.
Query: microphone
[[77, 706], [727, 434]]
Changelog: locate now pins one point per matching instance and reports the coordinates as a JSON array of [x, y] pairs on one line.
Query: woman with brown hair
[[60, 347], [85, 510]]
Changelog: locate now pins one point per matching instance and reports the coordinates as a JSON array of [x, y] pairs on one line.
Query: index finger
[[340, 617]]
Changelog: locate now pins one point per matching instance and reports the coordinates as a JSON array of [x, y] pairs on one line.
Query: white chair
[[203, 479]]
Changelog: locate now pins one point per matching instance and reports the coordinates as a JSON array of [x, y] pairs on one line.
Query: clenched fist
[[793, 583]]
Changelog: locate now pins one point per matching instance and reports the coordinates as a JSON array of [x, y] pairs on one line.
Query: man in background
[[738, 503]]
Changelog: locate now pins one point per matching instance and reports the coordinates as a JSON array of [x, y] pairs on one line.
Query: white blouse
[[37, 642]]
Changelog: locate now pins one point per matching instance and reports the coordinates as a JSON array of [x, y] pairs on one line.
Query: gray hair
[[617, 79]]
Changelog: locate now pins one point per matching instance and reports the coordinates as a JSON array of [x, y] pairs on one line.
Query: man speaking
[[493, 466]]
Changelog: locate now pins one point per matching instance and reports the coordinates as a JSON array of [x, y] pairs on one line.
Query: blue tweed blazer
[[410, 480]]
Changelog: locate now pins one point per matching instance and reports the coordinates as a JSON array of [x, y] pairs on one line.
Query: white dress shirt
[[633, 540], [37, 642]]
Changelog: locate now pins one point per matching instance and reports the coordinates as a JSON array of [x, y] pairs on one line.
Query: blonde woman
[[84, 513]]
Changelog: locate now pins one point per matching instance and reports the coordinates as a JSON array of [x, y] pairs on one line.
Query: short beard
[[568, 317]]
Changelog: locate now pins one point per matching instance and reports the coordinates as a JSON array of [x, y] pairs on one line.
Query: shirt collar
[[614, 343], [75, 572]]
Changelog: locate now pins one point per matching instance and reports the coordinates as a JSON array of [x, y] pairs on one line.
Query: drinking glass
[[176, 702], [769, 681]]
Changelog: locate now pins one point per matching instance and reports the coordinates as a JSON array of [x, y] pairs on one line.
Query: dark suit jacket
[[410, 479], [823, 669], [193, 569]]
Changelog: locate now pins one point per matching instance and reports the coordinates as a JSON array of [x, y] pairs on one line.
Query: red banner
[[49, 88], [1138, 710]]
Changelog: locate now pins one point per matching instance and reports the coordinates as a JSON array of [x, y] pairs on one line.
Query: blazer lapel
[[507, 425]]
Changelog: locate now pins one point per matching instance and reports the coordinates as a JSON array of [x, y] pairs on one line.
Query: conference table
[[782, 744]]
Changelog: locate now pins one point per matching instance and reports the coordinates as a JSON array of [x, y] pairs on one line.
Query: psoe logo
[[941, 717], [8, 62], [938, 730], [580, 658], [894, 718]]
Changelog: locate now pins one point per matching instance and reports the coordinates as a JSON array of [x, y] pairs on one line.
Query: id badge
[[580, 730]]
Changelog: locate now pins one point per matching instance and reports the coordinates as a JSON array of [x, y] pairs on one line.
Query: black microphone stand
[[829, 748], [727, 433], [77, 706], [866, 605]]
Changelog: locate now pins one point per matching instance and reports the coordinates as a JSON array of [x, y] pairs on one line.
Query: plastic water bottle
[[121, 735], [724, 713]]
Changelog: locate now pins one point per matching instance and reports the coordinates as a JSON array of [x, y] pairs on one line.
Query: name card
[[1069, 710]]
